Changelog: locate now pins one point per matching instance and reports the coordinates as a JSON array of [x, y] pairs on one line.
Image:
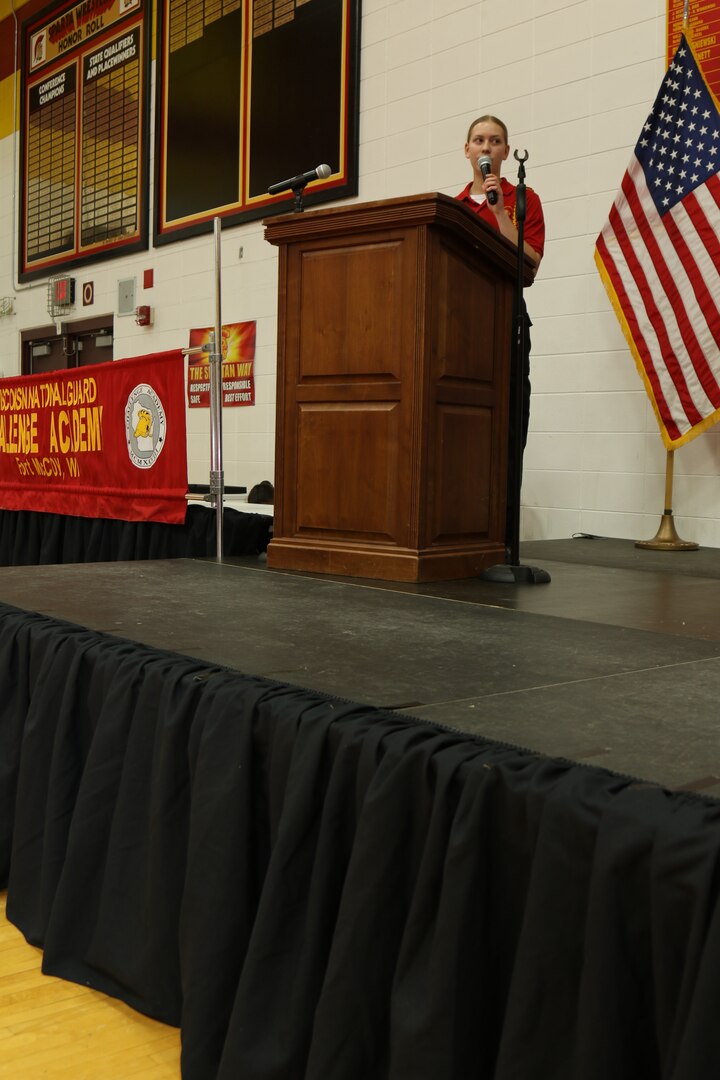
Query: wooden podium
[[394, 335]]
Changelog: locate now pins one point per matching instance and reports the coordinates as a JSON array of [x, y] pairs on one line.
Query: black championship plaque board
[[251, 92], [84, 134]]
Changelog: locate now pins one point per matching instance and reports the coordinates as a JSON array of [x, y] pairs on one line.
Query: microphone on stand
[[485, 166], [320, 173]]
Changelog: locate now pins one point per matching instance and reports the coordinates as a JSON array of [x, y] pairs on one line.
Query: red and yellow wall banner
[[704, 28], [103, 441], [238, 364]]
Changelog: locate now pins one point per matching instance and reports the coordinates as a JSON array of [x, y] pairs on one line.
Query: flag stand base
[[666, 538]]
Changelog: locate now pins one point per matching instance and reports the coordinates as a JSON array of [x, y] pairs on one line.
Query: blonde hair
[[488, 119]]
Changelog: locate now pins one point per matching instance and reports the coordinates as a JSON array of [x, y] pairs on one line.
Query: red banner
[[238, 362], [704, 29], [105, 441]]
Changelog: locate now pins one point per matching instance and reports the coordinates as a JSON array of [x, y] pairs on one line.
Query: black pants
[[515, 466]]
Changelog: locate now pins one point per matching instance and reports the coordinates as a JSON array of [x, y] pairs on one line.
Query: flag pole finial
[[686, 14]]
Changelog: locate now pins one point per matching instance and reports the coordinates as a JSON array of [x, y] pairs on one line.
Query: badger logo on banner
[[145, 426]]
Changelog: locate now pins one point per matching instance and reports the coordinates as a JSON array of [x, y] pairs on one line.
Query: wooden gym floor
[[57, 1030]]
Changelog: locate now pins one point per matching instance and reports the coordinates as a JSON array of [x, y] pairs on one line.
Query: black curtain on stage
[[29, 538], [321, 890]]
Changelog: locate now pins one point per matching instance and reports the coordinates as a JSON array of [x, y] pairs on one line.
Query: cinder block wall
[[574, 81]]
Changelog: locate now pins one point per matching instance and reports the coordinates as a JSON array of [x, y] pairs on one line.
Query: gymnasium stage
[[343, 830]]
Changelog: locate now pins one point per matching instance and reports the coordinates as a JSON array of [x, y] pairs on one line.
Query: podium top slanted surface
[[429, 208]]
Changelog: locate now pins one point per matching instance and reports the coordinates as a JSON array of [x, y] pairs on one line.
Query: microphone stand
[[512, 572], [298, 193]]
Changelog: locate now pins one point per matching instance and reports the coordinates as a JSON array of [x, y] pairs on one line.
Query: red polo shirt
[[534, 233]]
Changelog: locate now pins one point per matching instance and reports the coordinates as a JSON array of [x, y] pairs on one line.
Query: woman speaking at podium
[[492, 198]]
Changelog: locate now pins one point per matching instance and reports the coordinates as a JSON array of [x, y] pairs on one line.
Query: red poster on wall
[[105, 441], [704, 27], [238, 363]]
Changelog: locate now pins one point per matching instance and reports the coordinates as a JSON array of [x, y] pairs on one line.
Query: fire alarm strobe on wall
[[60, 296], [64, 290], [143, 315]]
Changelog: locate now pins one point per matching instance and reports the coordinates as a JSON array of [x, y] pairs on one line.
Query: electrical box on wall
[[126, 297]]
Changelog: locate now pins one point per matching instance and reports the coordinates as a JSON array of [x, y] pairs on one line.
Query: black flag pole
[[512, 572]]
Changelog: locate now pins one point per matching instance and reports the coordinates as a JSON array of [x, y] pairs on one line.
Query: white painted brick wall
[[574, 81]]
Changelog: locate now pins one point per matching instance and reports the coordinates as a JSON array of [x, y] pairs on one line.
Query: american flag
[[659, 253]]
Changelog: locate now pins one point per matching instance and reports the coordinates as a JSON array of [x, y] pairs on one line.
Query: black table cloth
[[29, 538], [321, 890]]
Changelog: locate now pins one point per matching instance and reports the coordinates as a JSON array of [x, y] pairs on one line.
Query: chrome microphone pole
[[216, 448], [513, 571]]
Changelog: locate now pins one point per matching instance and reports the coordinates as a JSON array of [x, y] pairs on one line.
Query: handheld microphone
[[295, 182], [485, 167]]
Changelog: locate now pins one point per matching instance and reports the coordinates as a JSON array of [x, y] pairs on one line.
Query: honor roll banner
[[104, 441]]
